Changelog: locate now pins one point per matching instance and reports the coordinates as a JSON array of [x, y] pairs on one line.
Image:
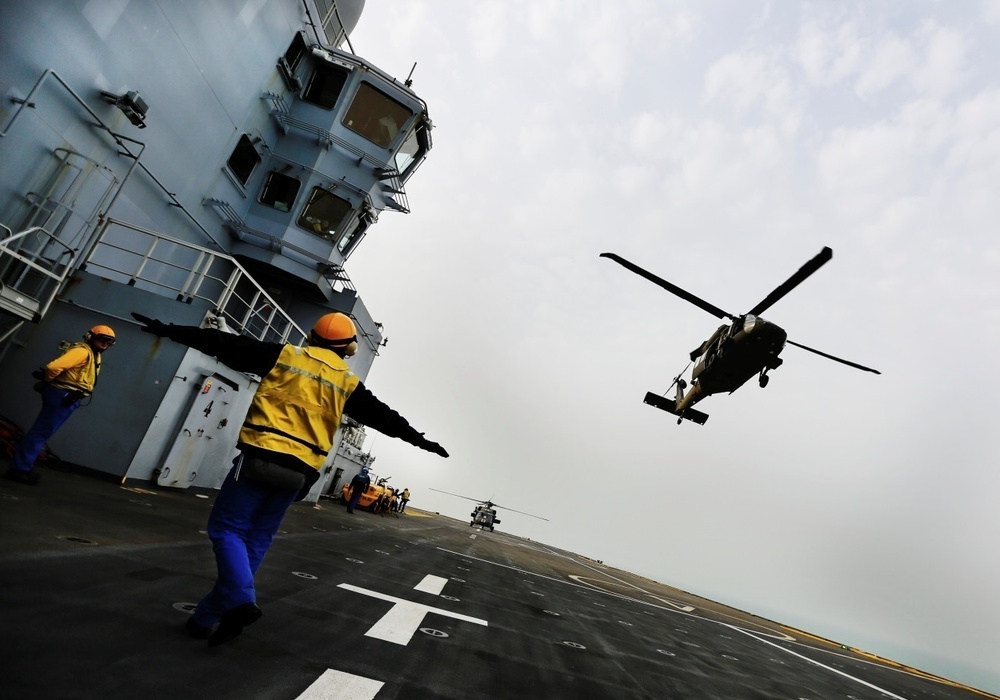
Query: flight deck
[[98, 579]]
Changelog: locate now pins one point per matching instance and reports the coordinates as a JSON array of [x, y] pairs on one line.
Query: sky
[[719, 145]]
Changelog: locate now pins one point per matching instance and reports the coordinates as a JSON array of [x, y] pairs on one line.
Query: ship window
[[324, 213], [412, 150], [350, 239], [376, 116], [280, 191], [244, 159], [325, 85], [296, 51]]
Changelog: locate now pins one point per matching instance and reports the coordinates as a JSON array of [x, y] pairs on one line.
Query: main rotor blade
[[835, 359], [477, 500], [792, 282], [521, 512], [672, 288]]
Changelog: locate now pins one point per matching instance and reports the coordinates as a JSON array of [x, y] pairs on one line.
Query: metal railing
[[152, 261], [33, 266]]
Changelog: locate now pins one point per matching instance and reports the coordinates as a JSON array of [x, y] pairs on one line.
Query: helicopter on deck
[[736, 351], [485, 514]]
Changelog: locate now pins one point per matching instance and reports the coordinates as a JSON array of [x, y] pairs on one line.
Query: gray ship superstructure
[[205, 163]]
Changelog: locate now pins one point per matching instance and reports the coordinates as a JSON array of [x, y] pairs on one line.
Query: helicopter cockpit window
[[325, 85], [376, 116], [280, 191], [324, 213]]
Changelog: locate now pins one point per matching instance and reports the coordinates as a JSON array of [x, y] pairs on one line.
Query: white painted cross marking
[[337, 685], [431, 584], [403, 619]]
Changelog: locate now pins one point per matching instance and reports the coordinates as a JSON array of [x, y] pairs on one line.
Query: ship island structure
[[203, 163]]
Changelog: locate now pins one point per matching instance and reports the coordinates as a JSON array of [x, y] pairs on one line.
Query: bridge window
[[350, 239], [280, 191], [412, 150], [324, 213], [376, 116], [244, 159], [325, 85]]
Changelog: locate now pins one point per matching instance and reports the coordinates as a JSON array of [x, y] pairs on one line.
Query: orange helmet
[[101, 332], [336, 331]]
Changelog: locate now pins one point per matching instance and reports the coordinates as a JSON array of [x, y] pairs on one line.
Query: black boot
[[233, 621], [30, 477], [197, 631]]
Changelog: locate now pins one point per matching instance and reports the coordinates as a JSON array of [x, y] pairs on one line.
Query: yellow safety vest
[[299, 404], [82, 377]]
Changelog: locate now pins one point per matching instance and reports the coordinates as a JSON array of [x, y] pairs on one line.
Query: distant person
[[404, 497], [359, 484], [64, 383], [286, 436]]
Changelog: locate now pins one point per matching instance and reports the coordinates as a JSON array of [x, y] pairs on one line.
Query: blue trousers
[[49, 420], [242, 525]]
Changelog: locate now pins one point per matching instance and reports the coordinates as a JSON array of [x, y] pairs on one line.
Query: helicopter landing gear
[[764, 379]]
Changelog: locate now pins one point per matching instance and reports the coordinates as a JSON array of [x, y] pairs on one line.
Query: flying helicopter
[[485, 514], [736, 351]]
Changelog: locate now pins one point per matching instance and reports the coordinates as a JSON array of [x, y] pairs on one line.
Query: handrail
[[157, 268], [33, 263]]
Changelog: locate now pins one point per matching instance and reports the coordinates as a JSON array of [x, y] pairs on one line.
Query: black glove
[[425, 444], [151, 325]]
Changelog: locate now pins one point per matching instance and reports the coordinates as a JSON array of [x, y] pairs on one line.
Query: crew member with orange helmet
[[65, 382], [286, 436]]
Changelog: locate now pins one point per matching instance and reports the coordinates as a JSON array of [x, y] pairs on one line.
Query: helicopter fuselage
[[736, 352]]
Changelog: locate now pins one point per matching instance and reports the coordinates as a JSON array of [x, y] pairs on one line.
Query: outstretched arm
[[237, 351], [364, 407]]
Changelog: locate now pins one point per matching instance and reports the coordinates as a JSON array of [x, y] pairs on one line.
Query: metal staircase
[[33, 266]]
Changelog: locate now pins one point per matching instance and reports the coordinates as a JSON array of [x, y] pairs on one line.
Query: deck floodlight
[[131, 104]]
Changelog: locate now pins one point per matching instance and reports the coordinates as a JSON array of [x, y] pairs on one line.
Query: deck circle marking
[[623, 622], [451, 598], [381, 552], [464, 568], [665, 652], [540, 595], [573, 645], [354, 561], [303, 574], [457, 580], [433, 632], [185, 607]]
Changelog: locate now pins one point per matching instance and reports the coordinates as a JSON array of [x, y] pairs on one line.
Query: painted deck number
[[405, 617]]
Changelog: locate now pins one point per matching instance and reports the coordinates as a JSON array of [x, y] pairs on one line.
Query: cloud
[[746, 80], [829, 56]]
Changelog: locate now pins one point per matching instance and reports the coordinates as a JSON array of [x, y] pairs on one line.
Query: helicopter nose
[[767, 332]]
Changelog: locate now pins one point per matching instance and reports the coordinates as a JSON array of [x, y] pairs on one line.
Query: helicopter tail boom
[[669, 406]]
